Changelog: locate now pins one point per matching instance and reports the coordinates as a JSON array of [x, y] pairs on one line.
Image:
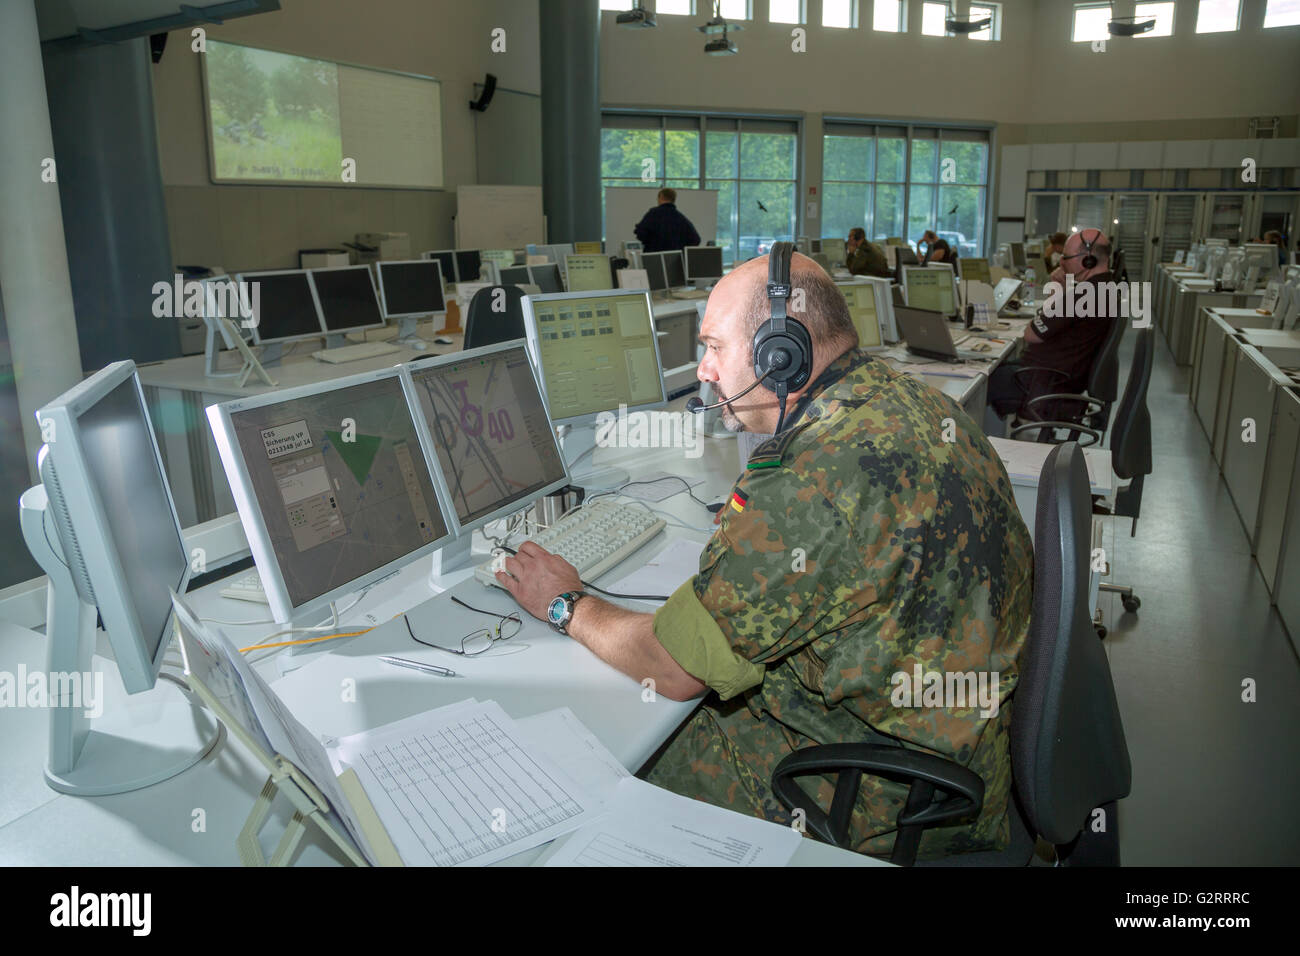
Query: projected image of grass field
[[274, 116]]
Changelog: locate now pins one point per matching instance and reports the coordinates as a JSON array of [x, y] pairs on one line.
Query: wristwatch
[[560, 611]]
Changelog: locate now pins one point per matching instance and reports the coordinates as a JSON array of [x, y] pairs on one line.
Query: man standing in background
[[664, 228]]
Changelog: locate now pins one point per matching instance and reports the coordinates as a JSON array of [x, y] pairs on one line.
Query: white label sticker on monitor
[[281, 440]]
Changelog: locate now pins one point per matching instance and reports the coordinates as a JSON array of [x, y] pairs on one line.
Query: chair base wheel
[[1101, 631], [1131, 603]]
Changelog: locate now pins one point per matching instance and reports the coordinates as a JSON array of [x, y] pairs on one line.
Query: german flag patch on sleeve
[[738, 501]]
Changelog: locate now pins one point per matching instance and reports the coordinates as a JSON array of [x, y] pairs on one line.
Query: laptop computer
[[1004, 292], [928, 335]]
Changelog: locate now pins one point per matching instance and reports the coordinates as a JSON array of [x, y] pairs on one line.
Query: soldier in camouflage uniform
[[864, 258], [858, 544]]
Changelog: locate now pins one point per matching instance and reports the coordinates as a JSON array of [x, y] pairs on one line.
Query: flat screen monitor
[[906, 256], [284, 306], [835, 250], [468, 265], [588, 273], [490, 434], [861, 300], [447, 259], [411, 288], [1018, 260], [675, 269], [595, 352], [113, 511], [347, 298], [515, 275], [332, 485], [929, 289], [547, 278], [976, 270], [703, 263], [594, 248], [656, 269]]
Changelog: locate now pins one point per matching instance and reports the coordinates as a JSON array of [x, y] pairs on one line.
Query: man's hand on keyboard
[[535, 577]]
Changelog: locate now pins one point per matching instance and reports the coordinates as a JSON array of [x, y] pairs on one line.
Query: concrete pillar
[[33, 257], [570, 60]]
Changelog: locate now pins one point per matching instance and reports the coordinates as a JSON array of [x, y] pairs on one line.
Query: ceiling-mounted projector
[[636, 18], [719, 25], [1129, 26], [720, 45], [967, 26]]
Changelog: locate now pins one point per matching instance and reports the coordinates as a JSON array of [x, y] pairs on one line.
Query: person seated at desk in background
[[1061, 342], [940, 251], [1273, 237], [1053, 253], [804, 647], [924, 245], [865, 258], [664, 228]]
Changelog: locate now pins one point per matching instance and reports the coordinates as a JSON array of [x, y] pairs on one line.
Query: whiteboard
[[625, 205], [499, 217]]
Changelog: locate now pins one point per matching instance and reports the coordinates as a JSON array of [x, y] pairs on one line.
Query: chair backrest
[[1130, 435], [1118, 267], [1103, 379], [486, 326], [1068, 752]]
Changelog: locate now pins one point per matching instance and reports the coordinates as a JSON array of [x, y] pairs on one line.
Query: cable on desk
[[652, 481], [588, 584]]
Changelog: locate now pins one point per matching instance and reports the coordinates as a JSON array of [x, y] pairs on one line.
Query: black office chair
[[487, 326], [1130, 449], [1078, 413], [1068, 752], [1118, 267]]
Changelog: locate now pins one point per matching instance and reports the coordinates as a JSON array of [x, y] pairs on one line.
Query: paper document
[[665, 572], [658, 486], [645, 825], [565, 739], [461, 786]]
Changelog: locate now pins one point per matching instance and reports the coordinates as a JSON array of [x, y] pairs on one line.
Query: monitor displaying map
[[491, 434], [341, 483]]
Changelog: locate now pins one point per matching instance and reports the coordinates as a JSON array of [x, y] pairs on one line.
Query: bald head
[[815, 301], [1076, 250]]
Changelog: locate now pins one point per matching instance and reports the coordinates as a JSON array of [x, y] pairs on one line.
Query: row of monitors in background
[[293, 304]]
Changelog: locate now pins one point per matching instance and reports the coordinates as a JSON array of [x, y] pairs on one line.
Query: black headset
[[1089, 257], [783, 353]]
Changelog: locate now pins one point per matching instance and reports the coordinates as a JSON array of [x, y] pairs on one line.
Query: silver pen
[[418, 666]]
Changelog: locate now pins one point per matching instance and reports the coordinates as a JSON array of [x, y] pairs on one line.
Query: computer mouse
[[443, 342]]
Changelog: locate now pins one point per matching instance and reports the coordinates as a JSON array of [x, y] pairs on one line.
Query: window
[[1090, 21], [1163, 14], [978, 11], [734, 9], [617, 5], [752, 162], [785, 11], [1217, 16], [933, 18], [889, 16], [901, 181], [677, 8], [1282, 13], [840, 13]]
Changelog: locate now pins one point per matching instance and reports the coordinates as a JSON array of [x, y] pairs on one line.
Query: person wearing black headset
[[1060, 343], [875, 536]]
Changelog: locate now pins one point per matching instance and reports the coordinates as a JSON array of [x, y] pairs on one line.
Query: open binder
[[296, 761]]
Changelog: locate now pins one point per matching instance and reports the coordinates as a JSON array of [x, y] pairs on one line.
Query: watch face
[[555, 613]]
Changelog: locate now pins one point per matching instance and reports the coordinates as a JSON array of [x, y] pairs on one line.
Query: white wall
[[264, 226]]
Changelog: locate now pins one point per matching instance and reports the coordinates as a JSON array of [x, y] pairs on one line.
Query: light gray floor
[[1214, 779]]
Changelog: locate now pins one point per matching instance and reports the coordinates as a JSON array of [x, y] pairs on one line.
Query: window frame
[[1275, 26], [692, 4], [676, 120], [1074, 21], [959, 132], [801, 22], [947, 15], [854, 8], [1173, 17], [1235, 29], [994, 32], [900, 25]]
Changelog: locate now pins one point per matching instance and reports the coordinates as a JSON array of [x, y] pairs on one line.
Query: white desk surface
[[1272, 338], [541, 670]]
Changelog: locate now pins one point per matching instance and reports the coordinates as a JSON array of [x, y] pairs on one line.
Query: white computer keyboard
[[593, 539], [354, 353], [690, 293], [246, 587]]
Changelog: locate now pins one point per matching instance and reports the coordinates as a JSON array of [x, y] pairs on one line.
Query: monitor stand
[[457, 556], [137, 739], [408, 334], [336, 340], [578, 445]]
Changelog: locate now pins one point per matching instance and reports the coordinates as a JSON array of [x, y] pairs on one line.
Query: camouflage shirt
[[867, 260], [859, 547]]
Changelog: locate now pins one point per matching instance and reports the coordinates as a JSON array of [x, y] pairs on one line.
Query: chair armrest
[[960, 791], [1069, 426], [1097, 403]]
